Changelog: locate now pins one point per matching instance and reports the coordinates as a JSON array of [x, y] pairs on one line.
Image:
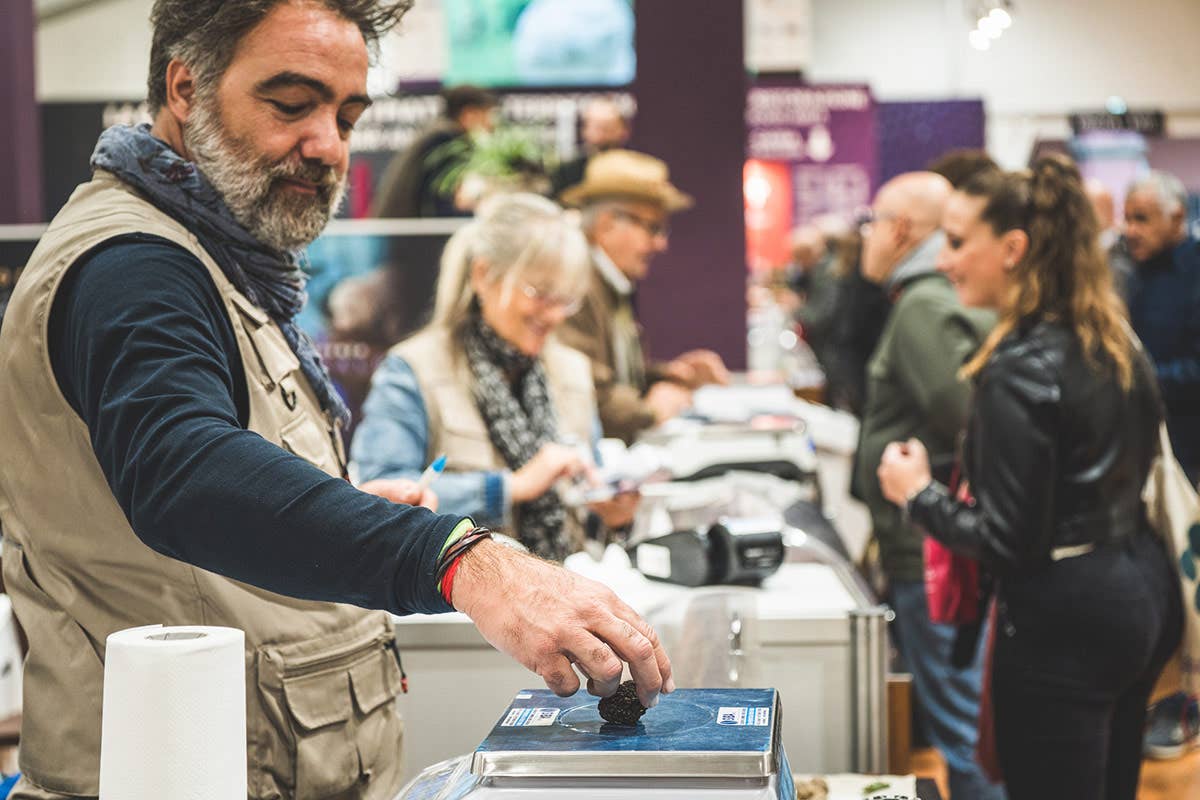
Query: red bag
[[951, 585], [951, 580]]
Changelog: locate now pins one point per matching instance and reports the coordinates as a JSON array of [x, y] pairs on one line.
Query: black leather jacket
[[1056, 454]]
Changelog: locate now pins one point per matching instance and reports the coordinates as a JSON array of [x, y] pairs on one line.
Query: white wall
[[1059, 55], [98, 53]]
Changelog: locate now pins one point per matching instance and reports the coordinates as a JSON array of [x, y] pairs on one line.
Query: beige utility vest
[[456, 426], [320, 677]]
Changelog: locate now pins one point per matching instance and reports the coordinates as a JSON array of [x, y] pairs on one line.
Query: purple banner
[[912, 134], [827, 133]]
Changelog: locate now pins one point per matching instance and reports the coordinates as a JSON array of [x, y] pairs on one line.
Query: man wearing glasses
[[626, 199]]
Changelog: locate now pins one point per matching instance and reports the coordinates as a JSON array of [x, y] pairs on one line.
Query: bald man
[[913, 390], [602, 127]]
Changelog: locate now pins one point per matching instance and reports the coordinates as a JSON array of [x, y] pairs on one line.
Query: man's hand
[[668, 400], [697, 368], [618, 511], [402, 491], [548, 618]]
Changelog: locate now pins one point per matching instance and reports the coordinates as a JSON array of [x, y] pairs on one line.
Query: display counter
[[809, 632]]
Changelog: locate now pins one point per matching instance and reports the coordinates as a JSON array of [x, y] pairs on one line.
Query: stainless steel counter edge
[[699, 764]]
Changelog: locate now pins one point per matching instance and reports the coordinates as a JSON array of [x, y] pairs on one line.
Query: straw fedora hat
[[626, 174]]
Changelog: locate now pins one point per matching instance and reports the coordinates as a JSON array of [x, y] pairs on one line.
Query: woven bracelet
[[456, 550]]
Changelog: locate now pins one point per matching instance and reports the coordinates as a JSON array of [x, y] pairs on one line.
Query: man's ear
[[1179, 218], [605, 221], [903, 228], [181, 90]]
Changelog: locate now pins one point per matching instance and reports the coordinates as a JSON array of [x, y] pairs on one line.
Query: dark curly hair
[[959, 166], [204, 33]]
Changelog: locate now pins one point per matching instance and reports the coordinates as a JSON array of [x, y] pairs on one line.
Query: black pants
[[1078, 650]]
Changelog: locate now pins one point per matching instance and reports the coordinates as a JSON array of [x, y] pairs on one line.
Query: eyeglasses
[[655, 228], [549, 300], [866, 222]]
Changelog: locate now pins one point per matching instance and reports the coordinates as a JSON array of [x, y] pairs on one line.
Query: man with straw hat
[[626, 199]]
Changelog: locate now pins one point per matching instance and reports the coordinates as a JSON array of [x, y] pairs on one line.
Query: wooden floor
[[1161, 780]]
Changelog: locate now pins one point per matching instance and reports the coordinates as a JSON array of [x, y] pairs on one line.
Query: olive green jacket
[[913, 391]]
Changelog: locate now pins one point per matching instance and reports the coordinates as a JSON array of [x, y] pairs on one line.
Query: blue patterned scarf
[[272, 280]]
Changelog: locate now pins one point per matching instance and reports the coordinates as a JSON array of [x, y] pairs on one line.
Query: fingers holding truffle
[[635, 642], [560, 678], [600, 665]]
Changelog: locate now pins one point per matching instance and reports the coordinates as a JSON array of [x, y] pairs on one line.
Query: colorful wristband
[[458, 543]]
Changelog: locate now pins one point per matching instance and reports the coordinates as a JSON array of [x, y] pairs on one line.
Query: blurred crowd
[[1007, 344], [1007, 334], [534, 353]]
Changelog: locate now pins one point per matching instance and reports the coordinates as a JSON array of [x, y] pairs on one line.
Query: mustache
[[324, 177]]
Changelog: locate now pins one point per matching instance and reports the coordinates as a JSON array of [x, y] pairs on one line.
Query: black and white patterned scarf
[[514, 399]]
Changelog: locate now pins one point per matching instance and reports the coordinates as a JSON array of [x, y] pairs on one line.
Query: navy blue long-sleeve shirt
[[1164, 310], [143, 350]]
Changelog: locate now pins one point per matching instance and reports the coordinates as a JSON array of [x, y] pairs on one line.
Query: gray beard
[[248, 183]]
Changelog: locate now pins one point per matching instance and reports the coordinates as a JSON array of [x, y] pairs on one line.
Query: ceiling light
[[1002, 18], [990, 27], [979, 39]]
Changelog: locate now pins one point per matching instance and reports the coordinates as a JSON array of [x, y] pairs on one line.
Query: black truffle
[[623, 707]]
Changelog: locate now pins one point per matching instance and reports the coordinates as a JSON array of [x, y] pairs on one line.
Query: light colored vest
[[456, 426], [320, 677]]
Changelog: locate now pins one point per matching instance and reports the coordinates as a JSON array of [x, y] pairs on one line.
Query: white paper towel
[[174, 717]]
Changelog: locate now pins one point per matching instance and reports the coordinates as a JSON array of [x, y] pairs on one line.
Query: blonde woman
[[486, 384]]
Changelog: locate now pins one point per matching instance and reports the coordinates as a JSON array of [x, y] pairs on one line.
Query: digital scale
[[696, 743]]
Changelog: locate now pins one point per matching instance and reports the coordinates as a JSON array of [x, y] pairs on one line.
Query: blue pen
[[431, 473]]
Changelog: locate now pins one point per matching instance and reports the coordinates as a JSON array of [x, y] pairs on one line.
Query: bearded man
[[172, 447]]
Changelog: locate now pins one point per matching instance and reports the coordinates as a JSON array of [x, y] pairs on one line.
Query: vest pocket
[[326, 758], [338, 708]]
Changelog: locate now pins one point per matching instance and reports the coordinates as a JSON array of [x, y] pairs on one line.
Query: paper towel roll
[[174, 716]]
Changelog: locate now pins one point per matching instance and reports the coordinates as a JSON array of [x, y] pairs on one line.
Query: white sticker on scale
[[731, 715], [759, 716], [542, 717], [530, 717]]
